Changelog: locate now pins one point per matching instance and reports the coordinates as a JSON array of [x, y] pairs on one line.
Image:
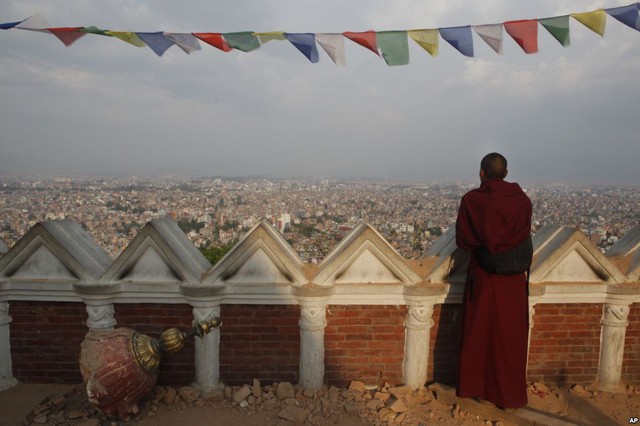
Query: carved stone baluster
[[614, 325], [312, 324], [207, 355], [416, 346], [100, 317], [6, 374]]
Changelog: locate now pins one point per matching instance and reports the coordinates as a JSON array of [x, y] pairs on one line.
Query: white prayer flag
[[492, 35], [333, 44]]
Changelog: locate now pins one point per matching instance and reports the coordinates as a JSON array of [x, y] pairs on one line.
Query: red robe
[[495, 320]]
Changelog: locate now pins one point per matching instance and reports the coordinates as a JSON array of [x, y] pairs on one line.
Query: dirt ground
[[265, 405]]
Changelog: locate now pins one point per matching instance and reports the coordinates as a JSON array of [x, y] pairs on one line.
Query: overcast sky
[[102, 106]]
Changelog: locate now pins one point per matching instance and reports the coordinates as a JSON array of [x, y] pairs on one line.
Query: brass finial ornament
[[148, 351], [120, 366]]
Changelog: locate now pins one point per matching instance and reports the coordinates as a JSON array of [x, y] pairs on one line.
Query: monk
[[496, 218]]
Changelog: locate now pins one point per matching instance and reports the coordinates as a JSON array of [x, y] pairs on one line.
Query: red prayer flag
[[366, 39], [215, 40], [525, 33], [67, 35]]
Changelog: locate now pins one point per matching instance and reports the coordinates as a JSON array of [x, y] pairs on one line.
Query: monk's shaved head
[[494, 166]]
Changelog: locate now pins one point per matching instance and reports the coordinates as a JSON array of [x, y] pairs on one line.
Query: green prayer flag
[[94, 30], [394, 46], [245, 41], [558, 27]]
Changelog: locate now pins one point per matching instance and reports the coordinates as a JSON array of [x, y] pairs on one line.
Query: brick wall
[[176, 369], [45, 341], [565, 343], [364, 343], [444, 344], [631, 360], [259, 341]]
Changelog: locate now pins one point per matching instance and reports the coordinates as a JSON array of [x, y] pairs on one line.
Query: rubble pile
[[281, 403]]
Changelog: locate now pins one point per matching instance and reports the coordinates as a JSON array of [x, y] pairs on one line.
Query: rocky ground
[[281, 404]]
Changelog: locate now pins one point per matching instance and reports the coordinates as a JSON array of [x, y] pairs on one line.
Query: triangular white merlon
[[150, 266], [42, 263], [258, 269], [573, 268], [367, 268]]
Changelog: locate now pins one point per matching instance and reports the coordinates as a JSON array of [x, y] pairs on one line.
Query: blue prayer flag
[[460, 38], [305, 43]]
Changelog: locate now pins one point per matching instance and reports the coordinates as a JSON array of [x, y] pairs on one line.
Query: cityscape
[[313, 215]]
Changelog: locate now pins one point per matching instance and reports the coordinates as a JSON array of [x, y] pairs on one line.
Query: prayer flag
[[492, 35], [525, 33], [333, 44], [245, 40], [394, 46], [9, 25], [628, 15], [558, 27], [366, 39], [127, 36], [460, 38], [94, 30], [156, 42], [268, 36], [185, 41], [214, 39], [427, 39], [305, 43], [34, 23], [596, 21], [67, 35]]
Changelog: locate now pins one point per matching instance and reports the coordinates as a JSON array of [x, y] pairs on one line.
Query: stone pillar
[[614, 325], [100, 315], [312, 324], [416, 344], [207, 356], [6, 374]]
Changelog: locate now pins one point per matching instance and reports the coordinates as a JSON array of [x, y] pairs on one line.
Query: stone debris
[[188, 393], [170, 396], [378, 406], [255, 389], [578, 390], [284, 390], [241, 394], [294, 414]]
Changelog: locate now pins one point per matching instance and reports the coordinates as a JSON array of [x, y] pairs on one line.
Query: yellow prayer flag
[[595, 21], [268, 36], [427, 39], [129, 37]]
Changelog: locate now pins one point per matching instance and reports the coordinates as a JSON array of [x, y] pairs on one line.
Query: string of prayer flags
[[392, 46], [596, 21], [525, 33], [460, 38], [214, 39], [558, 27], [306, 44], [492, 35], [628, 15]]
